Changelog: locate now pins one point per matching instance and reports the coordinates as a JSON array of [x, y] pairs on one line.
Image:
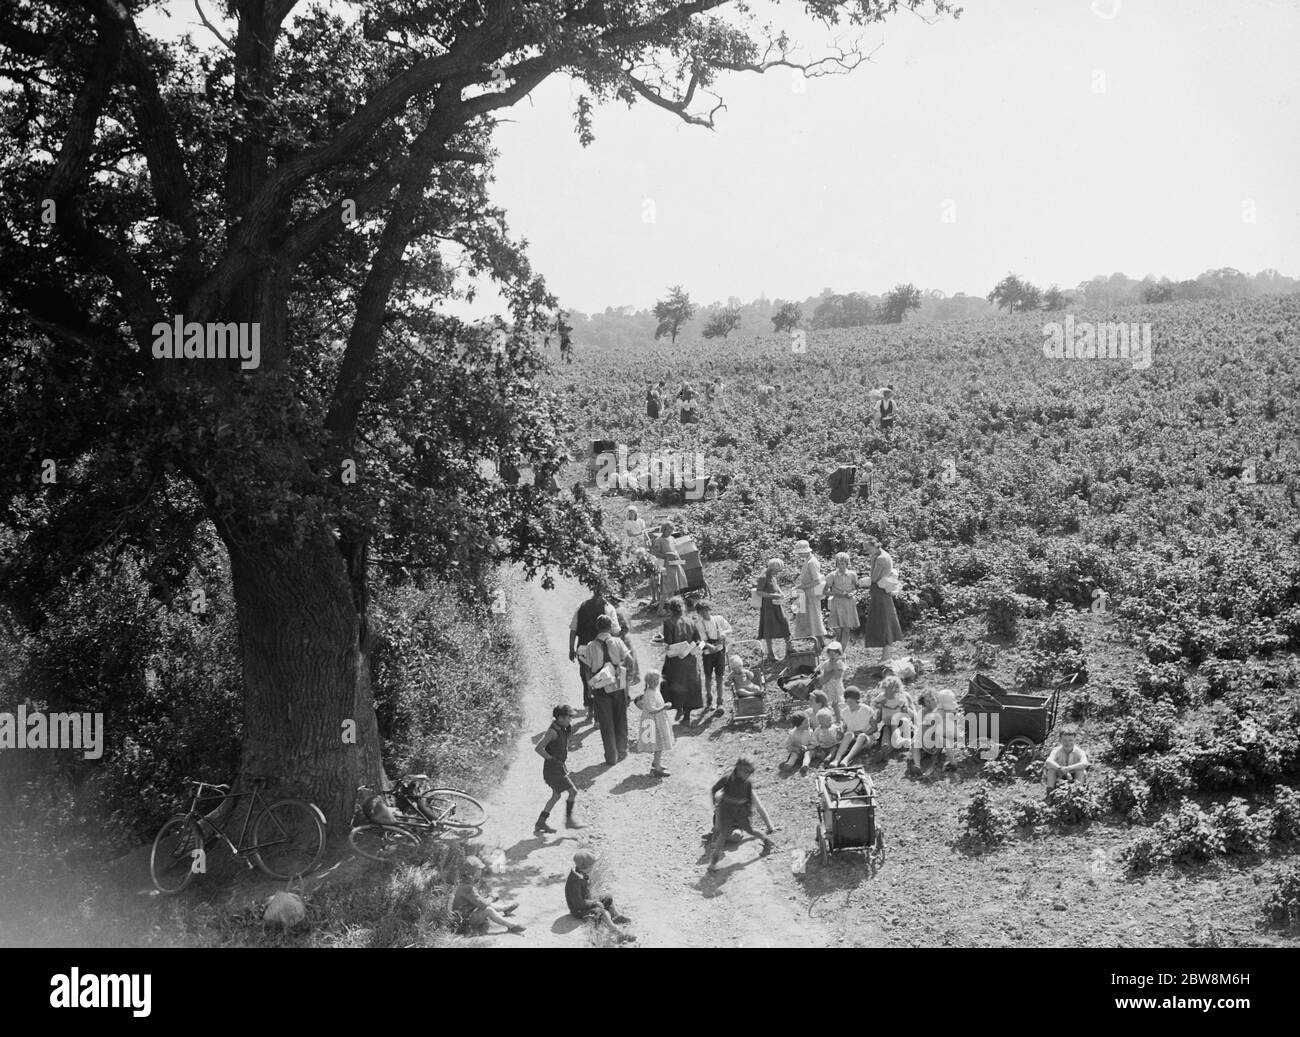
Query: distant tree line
[[623, 328]]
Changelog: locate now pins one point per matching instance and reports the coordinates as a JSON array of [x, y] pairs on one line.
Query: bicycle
[[417, 813], [288, 836]]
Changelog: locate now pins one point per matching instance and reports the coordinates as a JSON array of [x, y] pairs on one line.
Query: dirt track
[[645, 831]]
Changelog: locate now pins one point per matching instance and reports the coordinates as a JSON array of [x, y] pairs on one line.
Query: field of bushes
[[1136, 529]]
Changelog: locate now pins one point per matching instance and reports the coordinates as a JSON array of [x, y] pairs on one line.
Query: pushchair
[[846, 816]]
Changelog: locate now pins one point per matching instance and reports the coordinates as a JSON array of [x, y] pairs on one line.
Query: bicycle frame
[[410, 816], [230, 800]]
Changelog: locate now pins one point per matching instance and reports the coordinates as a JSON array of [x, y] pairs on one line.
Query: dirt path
[[646, 832]]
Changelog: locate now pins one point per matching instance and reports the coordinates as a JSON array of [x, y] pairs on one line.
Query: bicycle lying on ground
[[288, 836], [393, 822]]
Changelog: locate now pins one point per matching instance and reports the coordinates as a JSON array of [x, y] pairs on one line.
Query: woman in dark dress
[[882, 626], [653, 401], [771, 618], [681, 676]]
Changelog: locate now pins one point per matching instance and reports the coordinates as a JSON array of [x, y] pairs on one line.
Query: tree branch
[[213, 29]]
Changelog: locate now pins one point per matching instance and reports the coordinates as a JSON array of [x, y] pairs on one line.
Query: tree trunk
[[306, 676]]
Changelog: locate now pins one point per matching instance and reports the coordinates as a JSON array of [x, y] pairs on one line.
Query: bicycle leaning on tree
[[287, 836]]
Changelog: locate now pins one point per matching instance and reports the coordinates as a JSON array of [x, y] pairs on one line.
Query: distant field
[[1140, 525]]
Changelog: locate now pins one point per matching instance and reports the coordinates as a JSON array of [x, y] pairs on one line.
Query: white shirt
[[594, 656], [858, 720], [715, 628], [1063, 759]]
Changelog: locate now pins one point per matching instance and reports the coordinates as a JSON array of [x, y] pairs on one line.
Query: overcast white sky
[[843, 184]]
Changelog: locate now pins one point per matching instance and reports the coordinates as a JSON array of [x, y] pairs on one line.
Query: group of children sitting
[[837, 730]]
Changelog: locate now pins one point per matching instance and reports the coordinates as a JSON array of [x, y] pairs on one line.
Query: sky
[[1059, 143], [1059, 139]]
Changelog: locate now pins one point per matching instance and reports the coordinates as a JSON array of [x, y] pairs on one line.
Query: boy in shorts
[[1067, 762], [554, 749], [577, 894]]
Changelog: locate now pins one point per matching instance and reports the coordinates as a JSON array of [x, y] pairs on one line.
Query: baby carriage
[[846, 816]]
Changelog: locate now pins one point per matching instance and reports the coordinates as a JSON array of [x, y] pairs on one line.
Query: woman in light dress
[[808, 621], [882, 628], [634, 530], [673, 578], [840, 587]]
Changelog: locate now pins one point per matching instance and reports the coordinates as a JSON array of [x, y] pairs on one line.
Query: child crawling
[[733, 801]]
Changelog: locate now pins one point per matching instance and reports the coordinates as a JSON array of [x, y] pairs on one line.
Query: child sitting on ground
[[897, 711], [825, 736], [1067, 762], [860, 729], [476, 910], [798, 745], [940, 731], [577, 894]]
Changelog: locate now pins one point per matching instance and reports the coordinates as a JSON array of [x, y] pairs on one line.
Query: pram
[[846, 816]]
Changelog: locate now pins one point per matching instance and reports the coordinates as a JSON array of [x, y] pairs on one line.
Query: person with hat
[[673, 577], [808, 620], [553, 747], [714, 631], [606, 657], [582, 631]]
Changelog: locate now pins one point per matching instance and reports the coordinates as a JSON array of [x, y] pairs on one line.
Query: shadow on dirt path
[[646, 832]]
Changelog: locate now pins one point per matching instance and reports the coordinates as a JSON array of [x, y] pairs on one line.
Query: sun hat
[[801, 547], [834, 646]]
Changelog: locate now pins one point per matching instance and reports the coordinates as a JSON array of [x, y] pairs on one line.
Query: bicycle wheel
[[171, 860], [290, 838], [452, 808], [383, 842]]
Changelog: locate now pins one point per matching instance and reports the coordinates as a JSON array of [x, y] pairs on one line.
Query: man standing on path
[[554, 749], [606, 657], [582, 631]]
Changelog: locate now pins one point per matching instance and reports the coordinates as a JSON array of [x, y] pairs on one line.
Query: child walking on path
[[656, 728], [554, 749], [734, 801], [577, 894]]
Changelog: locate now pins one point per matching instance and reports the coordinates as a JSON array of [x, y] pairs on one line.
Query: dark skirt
[[882, 628], [772, 624], [681, 683]]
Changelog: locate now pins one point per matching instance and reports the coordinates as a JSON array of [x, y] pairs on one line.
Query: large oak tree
[[320, 171]]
